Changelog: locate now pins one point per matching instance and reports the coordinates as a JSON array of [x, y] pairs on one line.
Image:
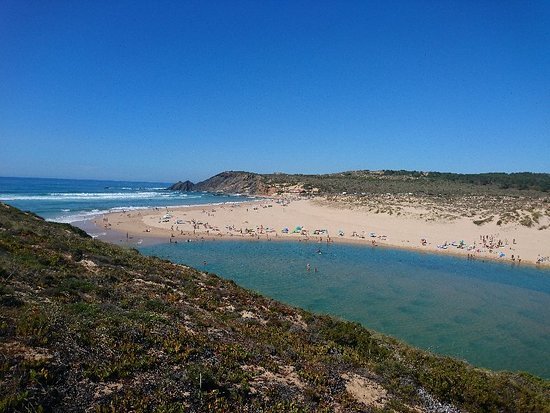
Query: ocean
[[74, 200], [491, 314]]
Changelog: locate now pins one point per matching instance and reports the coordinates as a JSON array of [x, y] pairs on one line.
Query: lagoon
[[493, 315]]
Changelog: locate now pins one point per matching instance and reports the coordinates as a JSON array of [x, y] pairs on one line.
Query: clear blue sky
[[185, 89]]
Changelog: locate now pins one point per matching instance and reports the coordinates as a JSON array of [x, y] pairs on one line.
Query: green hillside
[[431, 183]]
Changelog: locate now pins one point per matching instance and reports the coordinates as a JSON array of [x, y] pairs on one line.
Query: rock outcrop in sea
[[186, 186]]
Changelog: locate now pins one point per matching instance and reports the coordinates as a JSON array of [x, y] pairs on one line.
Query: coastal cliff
[[229, 182], [232, 182], [86, 325], [246, 183]]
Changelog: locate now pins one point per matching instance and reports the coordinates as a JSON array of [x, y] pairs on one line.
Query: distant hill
[[89, 326], [362, 182], [234, 182]]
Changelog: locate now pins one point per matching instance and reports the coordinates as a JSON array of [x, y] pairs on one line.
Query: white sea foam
[[90, 215], [91, 196], [80, 216]]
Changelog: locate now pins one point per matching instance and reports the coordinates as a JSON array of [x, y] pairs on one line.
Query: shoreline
[[156, 240], [196, 223]]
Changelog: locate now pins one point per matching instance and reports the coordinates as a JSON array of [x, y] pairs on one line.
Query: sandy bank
[[322, 221]]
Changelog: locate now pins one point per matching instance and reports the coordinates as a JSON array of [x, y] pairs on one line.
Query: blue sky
[[185, 89]]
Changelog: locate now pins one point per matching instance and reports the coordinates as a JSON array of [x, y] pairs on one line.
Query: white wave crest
[[90, 196], [90, 215]]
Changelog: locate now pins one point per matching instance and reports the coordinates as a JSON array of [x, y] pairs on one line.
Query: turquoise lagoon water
[[492, 315]]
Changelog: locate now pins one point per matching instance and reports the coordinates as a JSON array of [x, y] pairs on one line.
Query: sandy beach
[[319, 220]]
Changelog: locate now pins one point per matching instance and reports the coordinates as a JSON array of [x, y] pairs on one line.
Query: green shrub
[[34, 324]]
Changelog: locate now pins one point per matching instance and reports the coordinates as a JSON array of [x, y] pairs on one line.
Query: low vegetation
[[375, 182], [89, 326], [428, 183]]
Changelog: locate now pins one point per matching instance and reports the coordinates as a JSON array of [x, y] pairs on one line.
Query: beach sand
[[265, 220]]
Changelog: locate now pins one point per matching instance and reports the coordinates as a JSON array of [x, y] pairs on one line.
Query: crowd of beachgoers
[[314, 220]]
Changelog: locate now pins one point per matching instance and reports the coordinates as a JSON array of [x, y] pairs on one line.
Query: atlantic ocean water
[[74, 200]]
